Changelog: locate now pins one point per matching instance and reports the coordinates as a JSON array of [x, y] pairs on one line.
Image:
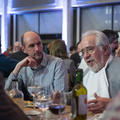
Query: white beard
[[97, 66]]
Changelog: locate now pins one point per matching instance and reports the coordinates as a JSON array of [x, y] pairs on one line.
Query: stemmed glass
[[41, 96], [59, 105], [34, 90], [44, 98]]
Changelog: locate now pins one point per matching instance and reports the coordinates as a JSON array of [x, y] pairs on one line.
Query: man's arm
[[28, 61]]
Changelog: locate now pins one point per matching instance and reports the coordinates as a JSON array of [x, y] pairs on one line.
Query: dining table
[[35, 113]]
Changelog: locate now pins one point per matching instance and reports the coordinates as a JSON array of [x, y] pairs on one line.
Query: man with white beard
[[103, 79]]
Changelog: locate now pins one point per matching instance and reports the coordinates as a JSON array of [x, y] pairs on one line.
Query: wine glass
[[59, 105], [34, 90], [44, 98]]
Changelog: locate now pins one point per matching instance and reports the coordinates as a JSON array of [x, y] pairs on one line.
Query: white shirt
[[97, 82]]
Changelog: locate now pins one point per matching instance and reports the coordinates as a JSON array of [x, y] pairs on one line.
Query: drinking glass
[[58, 107], [44, 98], [34, 90]]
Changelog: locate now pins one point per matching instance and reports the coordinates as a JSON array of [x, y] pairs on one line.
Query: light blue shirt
[[52, 70]]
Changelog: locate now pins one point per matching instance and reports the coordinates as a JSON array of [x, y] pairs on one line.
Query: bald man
[[38, 68]]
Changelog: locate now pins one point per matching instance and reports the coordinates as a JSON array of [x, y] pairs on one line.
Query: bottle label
[[82, 104]]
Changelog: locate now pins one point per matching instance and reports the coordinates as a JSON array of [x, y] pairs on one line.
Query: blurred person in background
[[118, 51], [58, 48], [103, 70], [17, 46], [73, 50], [18, 53], [113, 39], [76, 57], [38, 69], [8, 51], [49, 46]]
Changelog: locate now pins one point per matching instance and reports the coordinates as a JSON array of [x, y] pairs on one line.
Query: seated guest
[[58, 49], [9, 110], [113, 39], [38, 68], [6, 65], [102, 80]]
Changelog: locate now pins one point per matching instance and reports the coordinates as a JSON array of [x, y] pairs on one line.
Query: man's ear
[[106, 50]]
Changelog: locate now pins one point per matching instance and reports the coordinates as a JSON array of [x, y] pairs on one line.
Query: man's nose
[[36, 47]]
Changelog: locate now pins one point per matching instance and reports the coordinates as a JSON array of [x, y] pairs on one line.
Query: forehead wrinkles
[[88, 41], [32, 40]]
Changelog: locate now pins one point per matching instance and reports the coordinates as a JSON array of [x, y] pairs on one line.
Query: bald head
[[28, 35]]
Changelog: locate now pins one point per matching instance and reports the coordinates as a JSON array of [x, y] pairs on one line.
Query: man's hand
[[28, 61], [99, 104]]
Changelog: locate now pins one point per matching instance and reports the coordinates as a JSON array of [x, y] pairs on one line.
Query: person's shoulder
[[114, 64], [68, 60], [2, 56], [18, 53], [116, 60], [53, 58], [6, 58]]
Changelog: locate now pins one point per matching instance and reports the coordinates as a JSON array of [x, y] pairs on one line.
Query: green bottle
[[79, 101]]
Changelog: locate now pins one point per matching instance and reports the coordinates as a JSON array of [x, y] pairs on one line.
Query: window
[[96, 18]]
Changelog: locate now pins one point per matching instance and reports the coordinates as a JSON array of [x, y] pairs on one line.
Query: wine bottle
[[79, 99]]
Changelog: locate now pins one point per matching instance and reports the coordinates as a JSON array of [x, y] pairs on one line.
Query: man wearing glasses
[[102, 80]]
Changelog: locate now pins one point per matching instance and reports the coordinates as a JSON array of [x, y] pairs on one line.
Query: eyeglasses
[[88, 50]]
